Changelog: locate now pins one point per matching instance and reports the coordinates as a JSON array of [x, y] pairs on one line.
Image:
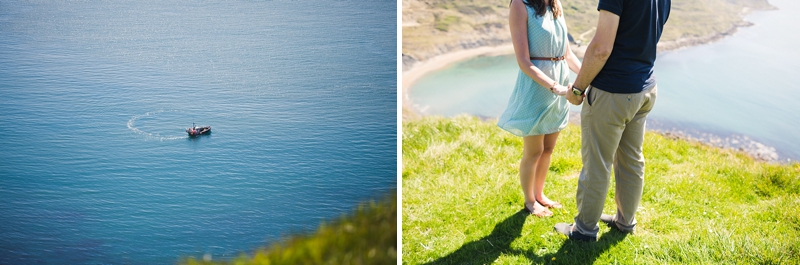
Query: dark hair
[[541, 8]]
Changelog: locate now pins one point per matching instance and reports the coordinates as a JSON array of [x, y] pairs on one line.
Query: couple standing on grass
[[617, 88]]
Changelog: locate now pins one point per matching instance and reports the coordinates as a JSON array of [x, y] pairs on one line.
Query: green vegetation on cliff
[[433, 27], [367, 236], [701, 205]]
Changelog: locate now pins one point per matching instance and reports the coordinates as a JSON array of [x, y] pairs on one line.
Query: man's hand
[[574, 99]]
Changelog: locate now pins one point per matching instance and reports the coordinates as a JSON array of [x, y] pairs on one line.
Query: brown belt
[[549, 59]]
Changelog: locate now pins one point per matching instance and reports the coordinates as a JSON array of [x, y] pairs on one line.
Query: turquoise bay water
[[740, 87], [95, 166]]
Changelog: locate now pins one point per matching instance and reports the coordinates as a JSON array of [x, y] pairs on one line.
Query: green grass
[[701, 205], [443, 24], [367, 236]]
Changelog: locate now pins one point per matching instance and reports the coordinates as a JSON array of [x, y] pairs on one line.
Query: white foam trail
[[155, 136]]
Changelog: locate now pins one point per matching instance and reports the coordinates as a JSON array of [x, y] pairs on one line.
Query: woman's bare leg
[[542, 167], [532, 149]]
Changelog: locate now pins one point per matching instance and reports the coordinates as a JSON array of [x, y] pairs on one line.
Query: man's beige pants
[[612, 133]]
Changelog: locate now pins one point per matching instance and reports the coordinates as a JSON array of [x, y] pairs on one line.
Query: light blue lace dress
[[533, 109]]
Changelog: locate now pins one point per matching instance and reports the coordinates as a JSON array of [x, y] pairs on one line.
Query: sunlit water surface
[[95, 166]]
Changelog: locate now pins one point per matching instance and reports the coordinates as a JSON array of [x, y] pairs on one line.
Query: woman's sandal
[[555, 204], [543, 213]]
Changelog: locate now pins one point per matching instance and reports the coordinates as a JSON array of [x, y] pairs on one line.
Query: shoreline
[[688, 42], [438, 62], [727, 141], [421, 68]]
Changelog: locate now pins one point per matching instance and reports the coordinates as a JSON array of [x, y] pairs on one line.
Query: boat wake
[[153, 135]]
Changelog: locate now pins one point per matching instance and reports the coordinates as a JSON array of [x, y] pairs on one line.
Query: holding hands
[[560, 90], [573, 98], [568, 93]]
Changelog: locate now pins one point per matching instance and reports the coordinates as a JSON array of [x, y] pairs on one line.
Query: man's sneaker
[[609, 220], [566, 229]]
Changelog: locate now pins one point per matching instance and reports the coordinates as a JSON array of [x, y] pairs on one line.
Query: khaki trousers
[[612, 133]]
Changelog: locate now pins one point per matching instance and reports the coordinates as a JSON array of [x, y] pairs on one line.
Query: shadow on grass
[[572, 252], [487, 249]]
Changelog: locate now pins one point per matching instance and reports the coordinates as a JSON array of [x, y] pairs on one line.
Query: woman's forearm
[[572, 61], [537, 75]]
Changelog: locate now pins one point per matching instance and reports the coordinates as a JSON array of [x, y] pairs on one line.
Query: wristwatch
[[577, 91]]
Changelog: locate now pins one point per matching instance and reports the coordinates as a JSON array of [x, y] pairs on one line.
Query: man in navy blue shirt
[[617, 88]]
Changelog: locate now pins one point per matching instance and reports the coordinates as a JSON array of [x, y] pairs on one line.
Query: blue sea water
[[739, 89], [95, 166]]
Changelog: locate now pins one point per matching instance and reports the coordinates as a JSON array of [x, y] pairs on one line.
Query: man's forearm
[[593, 62], [599, 49]]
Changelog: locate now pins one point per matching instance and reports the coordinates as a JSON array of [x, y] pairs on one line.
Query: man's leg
[[602, 124], [629, 163]]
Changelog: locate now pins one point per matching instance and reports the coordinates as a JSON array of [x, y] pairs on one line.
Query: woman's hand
[[560, 90]]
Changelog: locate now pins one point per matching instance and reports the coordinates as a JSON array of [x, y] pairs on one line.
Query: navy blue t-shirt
[[629, 68]]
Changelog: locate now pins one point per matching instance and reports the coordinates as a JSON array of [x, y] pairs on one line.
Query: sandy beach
[[420, 69], [441, 61]]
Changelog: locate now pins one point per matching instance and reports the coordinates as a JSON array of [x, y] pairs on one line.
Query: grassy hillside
[[367, 236], [432, 27], [701, 205]]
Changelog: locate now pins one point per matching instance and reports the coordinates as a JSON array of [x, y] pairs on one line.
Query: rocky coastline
[[742, 143], [695, 41], [496, 36]]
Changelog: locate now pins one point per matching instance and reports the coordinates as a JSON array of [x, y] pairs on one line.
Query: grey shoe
[[566, 229], [609, 220]]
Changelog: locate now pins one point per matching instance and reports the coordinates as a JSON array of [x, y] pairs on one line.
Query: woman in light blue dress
[[538, 110]]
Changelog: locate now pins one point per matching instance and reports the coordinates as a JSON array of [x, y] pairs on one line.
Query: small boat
[[195, 131]]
